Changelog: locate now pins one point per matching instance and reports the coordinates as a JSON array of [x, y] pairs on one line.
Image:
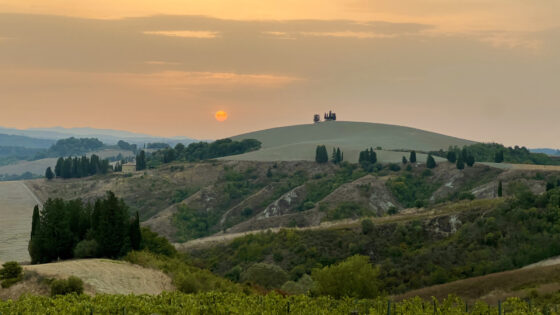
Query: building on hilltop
[[129, 167]]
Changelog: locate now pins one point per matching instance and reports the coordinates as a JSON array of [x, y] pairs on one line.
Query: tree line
[[74, 229], [76, 167], [198, 151], [494, 152]]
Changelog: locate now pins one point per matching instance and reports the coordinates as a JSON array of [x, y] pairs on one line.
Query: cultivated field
[[38, 167], [16, 210], [299, 142]]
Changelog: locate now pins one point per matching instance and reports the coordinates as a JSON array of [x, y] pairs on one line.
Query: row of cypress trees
[[76, 167], [61, 229]]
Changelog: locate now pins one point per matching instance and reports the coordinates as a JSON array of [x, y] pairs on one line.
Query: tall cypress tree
[[67, 168], [430, 162], [112, 226], [321, 155], [372, 156], [58, 167], [451, 156], [499, 157], [500, 189], [49, 173], [134, 234], [470, 160], [460, 163], [35, 222], [141, 161], [412, 158]]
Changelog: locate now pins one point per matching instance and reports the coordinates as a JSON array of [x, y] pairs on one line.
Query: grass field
[[16, 210], [299, 142], [531, 280], [108, 276]]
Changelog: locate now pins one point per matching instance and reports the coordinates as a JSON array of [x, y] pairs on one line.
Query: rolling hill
[[298, 142]]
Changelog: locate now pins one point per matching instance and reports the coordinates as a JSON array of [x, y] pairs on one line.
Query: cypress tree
[[321, 155], [35, 222], [412, 158], [470, 160], [460, 163], [451, 157], [338, 156], [135, 235], [58, 167], [499, 157], [49, 173], [112, 226], [430, 162], [372, 156], [404, 160], [67, 168], [500, 189], [464, 154], [141, 161]]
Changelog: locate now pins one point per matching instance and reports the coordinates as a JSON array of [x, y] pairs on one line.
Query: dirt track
[[16, 210], [108, 276]]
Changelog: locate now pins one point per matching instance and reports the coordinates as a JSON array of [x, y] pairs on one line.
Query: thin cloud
[[349, 34], [184, 79], [161, 63], [185, 34]]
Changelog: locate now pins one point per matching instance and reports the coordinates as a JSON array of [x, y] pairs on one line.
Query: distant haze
[[483, 70]]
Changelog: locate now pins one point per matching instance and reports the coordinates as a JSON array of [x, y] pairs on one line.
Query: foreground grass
[[238, 303]]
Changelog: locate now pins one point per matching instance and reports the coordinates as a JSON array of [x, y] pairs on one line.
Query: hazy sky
[[486, 70]]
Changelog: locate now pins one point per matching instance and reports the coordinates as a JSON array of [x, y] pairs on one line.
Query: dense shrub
[[367, 226], [186, 278], [354, 277], [266, 275], [86, 249], [10, 273], [302, 286], [67, 286], [156, 244], [410, 189]]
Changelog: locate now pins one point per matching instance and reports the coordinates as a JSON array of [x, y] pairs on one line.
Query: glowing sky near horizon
[[484, 70]]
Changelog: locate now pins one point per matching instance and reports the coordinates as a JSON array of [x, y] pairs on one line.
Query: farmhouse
[[129, 167]]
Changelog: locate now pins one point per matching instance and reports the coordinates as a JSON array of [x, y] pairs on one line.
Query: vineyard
[[238, 303]]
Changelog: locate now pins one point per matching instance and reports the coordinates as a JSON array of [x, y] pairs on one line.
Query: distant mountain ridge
[[553, 152], [108, 136], [9, 140]]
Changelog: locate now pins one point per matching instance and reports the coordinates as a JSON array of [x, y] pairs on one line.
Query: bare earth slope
[[299, 142], [16, 210]]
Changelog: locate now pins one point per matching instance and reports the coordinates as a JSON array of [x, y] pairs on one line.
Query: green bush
[[354, 277], [266, 275], [10, 274], [302, 286], [367, 226], [86, 249], [346, 210], [67, 286], [186, 278], [156, 244]]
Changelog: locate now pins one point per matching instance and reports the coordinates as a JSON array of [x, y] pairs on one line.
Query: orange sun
[[220, 115]]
